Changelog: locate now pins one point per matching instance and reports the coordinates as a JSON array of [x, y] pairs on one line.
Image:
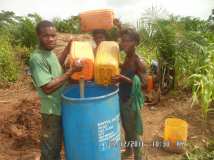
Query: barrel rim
[[90, 98]]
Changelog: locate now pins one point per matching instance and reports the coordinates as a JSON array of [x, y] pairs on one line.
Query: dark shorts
[[51, 137]]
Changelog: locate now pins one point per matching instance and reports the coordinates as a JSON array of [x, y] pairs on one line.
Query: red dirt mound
[[23, 124]]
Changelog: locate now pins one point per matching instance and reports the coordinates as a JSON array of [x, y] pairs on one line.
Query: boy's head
[[46, 33], [129, 39], [99, 35]]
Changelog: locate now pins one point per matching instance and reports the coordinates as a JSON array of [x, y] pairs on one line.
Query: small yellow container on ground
[[175, 133]]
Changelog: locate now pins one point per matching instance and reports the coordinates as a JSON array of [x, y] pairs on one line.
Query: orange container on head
[[96, 19], [82, 51]]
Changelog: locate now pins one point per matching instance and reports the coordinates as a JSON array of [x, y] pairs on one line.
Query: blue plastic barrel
[[91, 124]]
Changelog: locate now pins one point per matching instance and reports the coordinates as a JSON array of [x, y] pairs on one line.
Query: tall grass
[[187, 45]]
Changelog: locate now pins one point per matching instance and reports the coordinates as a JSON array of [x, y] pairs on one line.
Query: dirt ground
[[20, 123]]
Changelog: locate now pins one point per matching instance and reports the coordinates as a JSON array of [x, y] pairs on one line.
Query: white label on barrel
[[109, 133]]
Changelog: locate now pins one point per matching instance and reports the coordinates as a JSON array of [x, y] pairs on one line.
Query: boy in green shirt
[[49, 78]]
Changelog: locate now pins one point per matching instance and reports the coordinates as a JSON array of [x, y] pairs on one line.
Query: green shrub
[[70, 25], [8, 64], [22, 53], [25, 34]]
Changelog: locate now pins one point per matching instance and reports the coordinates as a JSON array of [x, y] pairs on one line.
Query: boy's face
[[47, 38], [98, 38], [127, 43]]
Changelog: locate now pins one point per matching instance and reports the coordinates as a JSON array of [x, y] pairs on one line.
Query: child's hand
[[118, 78], [77, 66], [115, 79], [117, 23]]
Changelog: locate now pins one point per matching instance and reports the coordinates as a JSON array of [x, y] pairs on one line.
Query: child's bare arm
[[142, 71]]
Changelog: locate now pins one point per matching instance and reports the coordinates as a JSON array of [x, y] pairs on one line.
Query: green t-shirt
[[44, 66]]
